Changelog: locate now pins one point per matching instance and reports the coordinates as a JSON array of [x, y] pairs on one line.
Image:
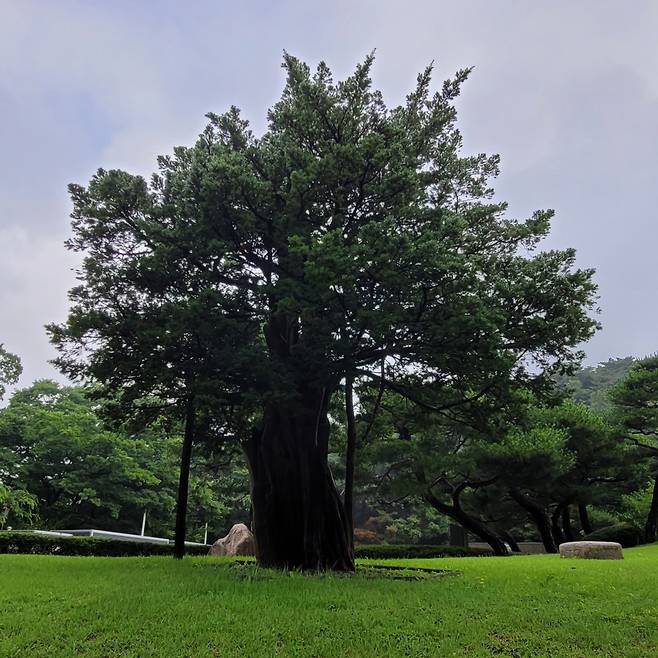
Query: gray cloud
[[566, 92]]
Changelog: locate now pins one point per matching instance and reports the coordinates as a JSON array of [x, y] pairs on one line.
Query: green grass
[[537, 606]]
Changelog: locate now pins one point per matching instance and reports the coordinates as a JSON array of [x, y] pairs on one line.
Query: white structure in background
[[107, 534]]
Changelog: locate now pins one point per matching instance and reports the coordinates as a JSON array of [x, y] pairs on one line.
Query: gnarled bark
[[468, 522], [538, 516], [556, 528], [299, 521]]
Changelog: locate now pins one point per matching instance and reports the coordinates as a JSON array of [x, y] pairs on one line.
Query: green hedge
[[624, 533], [27, 542], [393, 551]]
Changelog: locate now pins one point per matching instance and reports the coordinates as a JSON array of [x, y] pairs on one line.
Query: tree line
[[62, 466], [563, 471]]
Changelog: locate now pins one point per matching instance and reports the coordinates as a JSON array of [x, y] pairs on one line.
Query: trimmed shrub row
[[399, 551], [26, 542], [33, 543], [624, 533]]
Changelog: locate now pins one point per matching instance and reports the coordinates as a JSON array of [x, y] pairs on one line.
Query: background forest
[[576, 468]]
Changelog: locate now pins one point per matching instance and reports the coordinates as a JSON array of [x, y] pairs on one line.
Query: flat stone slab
[[592, 550]]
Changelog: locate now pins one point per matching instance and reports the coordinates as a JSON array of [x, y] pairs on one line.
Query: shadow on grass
[[250, 571]]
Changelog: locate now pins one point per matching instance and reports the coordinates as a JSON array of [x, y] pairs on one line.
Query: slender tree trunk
[[299, 521], [470, 523], [511, 541], [350, 458], [458, 536], [566, 523], [652, 517], [585, 523], [539, 517], [184, 478], [558, 535]]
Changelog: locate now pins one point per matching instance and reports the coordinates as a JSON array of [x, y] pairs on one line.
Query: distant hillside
[[590, 385]]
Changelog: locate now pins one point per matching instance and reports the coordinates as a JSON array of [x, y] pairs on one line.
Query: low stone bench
[[592, 550]]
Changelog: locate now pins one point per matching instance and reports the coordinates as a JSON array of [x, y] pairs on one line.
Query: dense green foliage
[[569, 458], [16, 503], [627, 535], [53, 444], [636, 505], [591, 385], [635, 400], [524, 470], [38, 544], [77, 473], [252, 275], [526, 607], [557, 459]]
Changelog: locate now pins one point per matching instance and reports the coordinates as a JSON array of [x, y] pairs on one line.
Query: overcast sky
[[565, 91]]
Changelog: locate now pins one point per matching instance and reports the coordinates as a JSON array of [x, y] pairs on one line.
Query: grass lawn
[[535, 605]]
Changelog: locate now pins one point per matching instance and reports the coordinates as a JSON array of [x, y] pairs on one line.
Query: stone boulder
[[592, 550], [239, 541]]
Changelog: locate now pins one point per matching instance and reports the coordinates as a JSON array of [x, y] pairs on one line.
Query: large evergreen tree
[[364, 245]]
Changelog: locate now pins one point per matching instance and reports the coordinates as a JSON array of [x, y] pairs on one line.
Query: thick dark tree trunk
[[652, 517], [539, 517], [567, 529], [470, 523], [556, 529], [585, 523], [184, 479], [299, 521], [350, 458]]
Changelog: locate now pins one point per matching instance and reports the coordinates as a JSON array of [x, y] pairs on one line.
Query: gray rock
[[592, 550], [239, 541]]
